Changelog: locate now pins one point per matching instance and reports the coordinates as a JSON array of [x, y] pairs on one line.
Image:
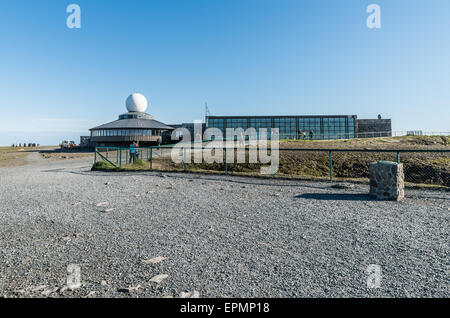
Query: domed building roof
[[134, 123]]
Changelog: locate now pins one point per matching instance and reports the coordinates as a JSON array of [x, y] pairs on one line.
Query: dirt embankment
[[420, 168], [406, 142]]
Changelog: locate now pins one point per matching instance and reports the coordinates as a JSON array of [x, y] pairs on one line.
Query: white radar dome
[[136, 103]]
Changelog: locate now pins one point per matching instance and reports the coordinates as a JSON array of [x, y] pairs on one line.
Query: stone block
[[387, 180]]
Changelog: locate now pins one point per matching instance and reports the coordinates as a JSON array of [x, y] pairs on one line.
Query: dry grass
[[106, 166], [406, 142], [15, 156], [420, 168], [12, 157]]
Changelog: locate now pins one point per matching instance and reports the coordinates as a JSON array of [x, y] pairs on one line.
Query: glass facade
[[125, 132], [319, 128]]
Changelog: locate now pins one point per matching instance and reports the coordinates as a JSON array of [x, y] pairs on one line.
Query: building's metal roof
[[280, 116], [134, 123]]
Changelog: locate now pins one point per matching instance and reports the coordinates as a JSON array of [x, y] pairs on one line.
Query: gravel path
[[165, 235]]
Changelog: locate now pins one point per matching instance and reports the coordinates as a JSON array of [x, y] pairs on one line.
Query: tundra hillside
[[420, 168]]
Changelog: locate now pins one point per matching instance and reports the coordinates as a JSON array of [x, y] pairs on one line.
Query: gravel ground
[[217, 236]]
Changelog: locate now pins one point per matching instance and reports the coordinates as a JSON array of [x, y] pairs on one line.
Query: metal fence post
[[271, 163], [226, 162], [120, 156], [331, 166], [398, 156], [184, 159], [95, 155], [106, 153], [151, 159]]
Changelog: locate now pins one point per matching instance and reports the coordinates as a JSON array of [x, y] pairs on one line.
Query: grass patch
[[102, 165], [420, 168], [106, 166], [442, 161], [12, 157], [139, 163]]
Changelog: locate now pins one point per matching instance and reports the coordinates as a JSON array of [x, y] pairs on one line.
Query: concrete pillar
[[387, 180]]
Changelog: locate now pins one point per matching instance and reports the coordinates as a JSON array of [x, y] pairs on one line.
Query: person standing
[[311, 134], [133, 153]]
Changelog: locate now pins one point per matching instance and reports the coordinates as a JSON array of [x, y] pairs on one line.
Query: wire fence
[[307, 135], [421, 167], [418, 133]]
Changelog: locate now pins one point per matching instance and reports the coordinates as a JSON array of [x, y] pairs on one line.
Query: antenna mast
[[207, 112]]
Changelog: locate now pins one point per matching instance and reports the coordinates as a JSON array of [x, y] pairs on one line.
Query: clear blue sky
[[244, 57]]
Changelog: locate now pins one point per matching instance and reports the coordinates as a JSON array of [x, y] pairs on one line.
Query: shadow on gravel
[[65, 151], [247, 180], [336, 196]]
